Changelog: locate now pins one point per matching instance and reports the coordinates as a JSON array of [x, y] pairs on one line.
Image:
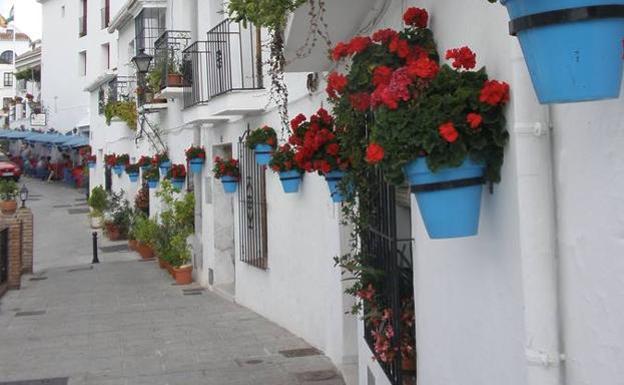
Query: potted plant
[[144, 162], [317, 150], [145, 231], [182, 270], [126, 110], [98, 203], [262, 141], [177, 176], [121, 161], [161, 160], [118, 215], [90, 160], [196, 156], [442, 127], [283, 162], [152, 176], [133, 172], [8, 192], [572, 48], [228, 172], [110, 160], [174, 75]]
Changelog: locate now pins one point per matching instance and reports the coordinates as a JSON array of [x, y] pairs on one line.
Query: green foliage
[[29, 74], [177, 223], [8, 189], [270, 14], [262, 135], [119, 212], [132, 168], [98, 201], [151, 173], [145, 230], [125, 110], [283, 159], [154, 79]]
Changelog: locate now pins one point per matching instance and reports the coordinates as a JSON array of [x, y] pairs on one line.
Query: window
[[82, 63], [82, 20], [105, 55], [8, 79], [105, 13], [148, 26], [6, 57], [62, 11]]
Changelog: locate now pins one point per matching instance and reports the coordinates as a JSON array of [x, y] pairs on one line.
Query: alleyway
[[123, 322]]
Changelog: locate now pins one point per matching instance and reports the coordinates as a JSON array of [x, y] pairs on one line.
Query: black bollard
[[95, 256]]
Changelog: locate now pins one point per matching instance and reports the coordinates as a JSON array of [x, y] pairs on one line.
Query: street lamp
[[23, 195], [142, 61]]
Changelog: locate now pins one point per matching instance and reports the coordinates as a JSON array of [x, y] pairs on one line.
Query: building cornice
[[130, 10]]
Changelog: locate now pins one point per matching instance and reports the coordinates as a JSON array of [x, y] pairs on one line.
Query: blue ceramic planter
[[118, 170], [164, 167], [570, 59], [134, 176], [333, 180], [263, 154], [91, 164], [196, 165], [229, 184], [291, 180], [177, 183], [447, 211], [152, 183]]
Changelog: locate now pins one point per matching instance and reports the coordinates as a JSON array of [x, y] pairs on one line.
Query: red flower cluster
[[177, 171], [195, 152], [356, 45], [462, 58], [494, 93], [160, 158], [448, 132], [336, 84], [283, 159], [374, 153], [416, 17], [89, 158], [110, 159], [474, 120], [225, 167], [315, 144], [144, 161]]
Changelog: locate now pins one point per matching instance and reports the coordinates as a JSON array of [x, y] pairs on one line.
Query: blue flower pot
[[152, 183], [118, 169], [229, 184], [134, 176], [570, 61], [291, 180], [196, 165], [333, 180], [263, 154], [178, 184], [447, 211], [91, 164], [165, 167]]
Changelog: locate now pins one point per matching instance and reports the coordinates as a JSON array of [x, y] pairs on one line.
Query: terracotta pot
[[112, 232], [132, 244], [183, 275], [169, 268], [162, 263], [144, 250], [8, 207], [174, 80], [159, 101]]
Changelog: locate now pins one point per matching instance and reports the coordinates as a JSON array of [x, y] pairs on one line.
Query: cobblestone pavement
[[124, 322]]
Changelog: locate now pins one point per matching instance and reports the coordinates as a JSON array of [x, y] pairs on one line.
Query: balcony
[[168, 50], [229, 60], [120, 89]]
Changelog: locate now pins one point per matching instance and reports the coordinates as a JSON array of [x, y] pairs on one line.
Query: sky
[[27, 16]]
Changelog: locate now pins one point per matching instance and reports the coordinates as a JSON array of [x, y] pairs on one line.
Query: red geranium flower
[[359, 44], [340, 50], [424, 68], [294, 124], [474, 120], [462, 58], [360, 101], [336, 84], [382, 75], [374, 153], [416, 17], [448, 132], [384, 35], [494, 92], [400, 47]]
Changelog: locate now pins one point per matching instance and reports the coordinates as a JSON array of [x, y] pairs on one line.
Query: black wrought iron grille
[[168, 53], [252, 208], [228, 60], [4, 255], [148, 26], [392, 257], [122, 88]]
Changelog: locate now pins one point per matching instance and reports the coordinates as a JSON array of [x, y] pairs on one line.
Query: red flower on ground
[[462, 58], [336, 84], [374, 153], [416, 17], [494, 93], [448, 132], [424, 68], [474, 120]]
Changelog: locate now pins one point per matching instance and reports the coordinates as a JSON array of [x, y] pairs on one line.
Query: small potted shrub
[[196, 156], [152, 175], [133, 172], [177, 176], [283, 163], [144, 162], [8, 193], [119, 216], [228, 172], [317, 150], [262, 141], [161, 160], [98, 203], [180, 258], [145, 231]]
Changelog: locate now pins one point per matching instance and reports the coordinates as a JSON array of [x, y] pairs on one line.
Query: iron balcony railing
[[82, 26], [230, 59], [168, 50], [122, 88]]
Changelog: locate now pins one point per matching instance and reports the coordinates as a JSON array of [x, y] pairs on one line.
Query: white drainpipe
[[537, 227]]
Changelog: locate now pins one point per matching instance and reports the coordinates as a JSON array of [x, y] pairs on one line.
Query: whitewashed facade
[[10, 48], [537, 298]]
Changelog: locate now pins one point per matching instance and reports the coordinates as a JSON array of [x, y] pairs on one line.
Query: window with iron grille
[[148, 27], [8, 79], [252, 208]]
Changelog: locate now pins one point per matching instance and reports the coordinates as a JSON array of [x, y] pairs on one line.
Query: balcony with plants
[[117, 101], [166, 74]]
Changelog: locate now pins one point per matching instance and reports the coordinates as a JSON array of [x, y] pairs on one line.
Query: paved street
[[124, 322]]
